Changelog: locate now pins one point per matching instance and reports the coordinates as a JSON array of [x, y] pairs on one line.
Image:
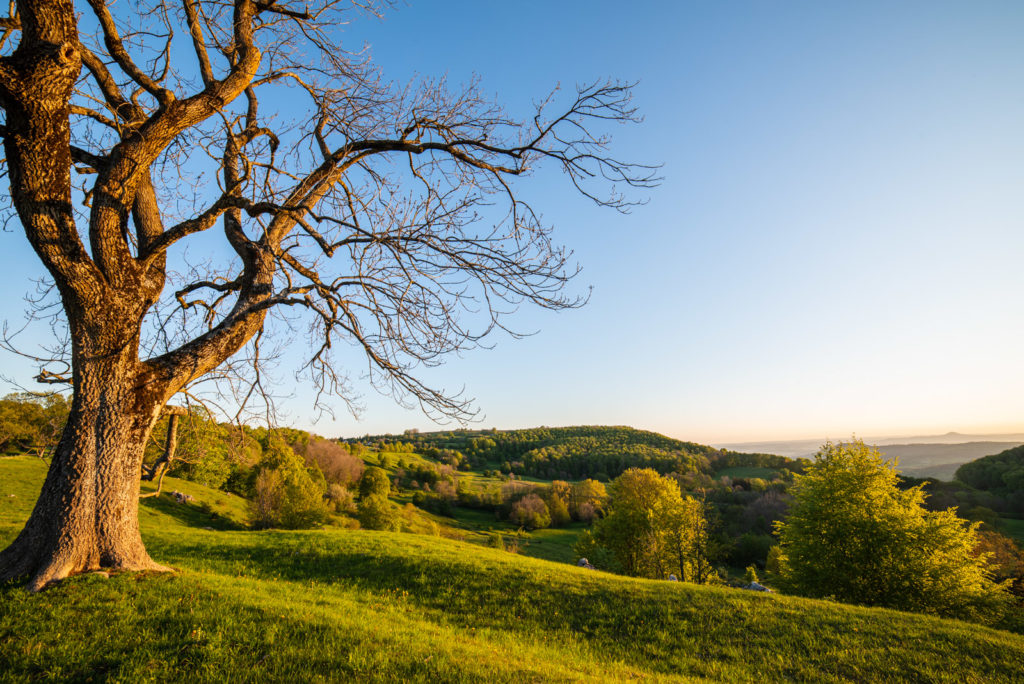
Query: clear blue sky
[[836, 246]]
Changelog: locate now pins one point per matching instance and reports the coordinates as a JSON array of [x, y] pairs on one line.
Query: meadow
[[333, 604]]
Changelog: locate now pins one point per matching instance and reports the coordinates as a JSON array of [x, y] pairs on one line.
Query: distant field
[[748, 472]]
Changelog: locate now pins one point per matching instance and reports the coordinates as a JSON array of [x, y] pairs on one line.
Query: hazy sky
[[836, 247]]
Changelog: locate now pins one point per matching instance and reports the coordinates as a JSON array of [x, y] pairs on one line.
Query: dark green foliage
[[750, 549], [568, 453], [1001, 472]]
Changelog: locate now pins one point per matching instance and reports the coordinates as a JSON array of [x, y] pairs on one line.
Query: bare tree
[[386, 214]]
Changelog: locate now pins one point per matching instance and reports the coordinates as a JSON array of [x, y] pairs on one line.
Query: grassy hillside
[[334, 605]]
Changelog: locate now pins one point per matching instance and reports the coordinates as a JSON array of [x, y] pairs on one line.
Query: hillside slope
[[333, 605], [577, 452]]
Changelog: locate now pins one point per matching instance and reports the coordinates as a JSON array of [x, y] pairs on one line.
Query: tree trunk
[[86, 517]]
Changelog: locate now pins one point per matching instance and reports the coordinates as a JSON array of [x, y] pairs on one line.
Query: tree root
[[19, 561]]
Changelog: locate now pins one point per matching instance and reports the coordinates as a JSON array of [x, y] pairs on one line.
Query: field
[[335, 605]]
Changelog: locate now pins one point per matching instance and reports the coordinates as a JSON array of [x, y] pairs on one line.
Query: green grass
[[371, 606]]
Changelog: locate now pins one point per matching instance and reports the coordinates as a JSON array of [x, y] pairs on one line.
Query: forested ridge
[[1002, 472], [594, 451]]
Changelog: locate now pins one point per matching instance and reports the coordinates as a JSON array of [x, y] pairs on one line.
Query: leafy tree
[[587, 499], [852, 534], [652, 530], [559, 511], [287, 493], [1004, 558], [375, 512], [530, 512], [312, 214], [374, 482], [31, 423], [681, 533], [557, 498]]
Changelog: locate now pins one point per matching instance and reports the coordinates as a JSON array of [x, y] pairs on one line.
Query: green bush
[[530, 512], [854, 535], [375, 512], [287, 493]]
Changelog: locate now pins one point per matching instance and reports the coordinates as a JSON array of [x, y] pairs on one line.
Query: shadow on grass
[[193, 515], [630, 621]]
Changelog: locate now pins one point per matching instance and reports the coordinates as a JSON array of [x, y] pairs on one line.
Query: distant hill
[[598, 451], [1002, 472], [940, 460], [936, 456]]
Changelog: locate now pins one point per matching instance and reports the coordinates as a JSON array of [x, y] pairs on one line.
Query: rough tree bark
[[411, 263]]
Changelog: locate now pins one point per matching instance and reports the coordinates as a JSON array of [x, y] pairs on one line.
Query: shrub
[[288, 498], [530, 512], [341, 499], [374, 482], [375, 512]]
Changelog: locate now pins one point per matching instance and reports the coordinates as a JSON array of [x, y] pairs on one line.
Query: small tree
[[854, 535], [374, 482], [530, 512], [651, 529], [375, 512], [587, 499]]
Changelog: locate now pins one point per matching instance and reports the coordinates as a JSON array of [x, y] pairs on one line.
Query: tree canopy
[[651, 530]]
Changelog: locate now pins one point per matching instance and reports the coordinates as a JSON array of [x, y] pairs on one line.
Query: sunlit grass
[[338, 605]]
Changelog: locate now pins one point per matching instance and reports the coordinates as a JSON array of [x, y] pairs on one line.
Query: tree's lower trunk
[[86, 517]]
